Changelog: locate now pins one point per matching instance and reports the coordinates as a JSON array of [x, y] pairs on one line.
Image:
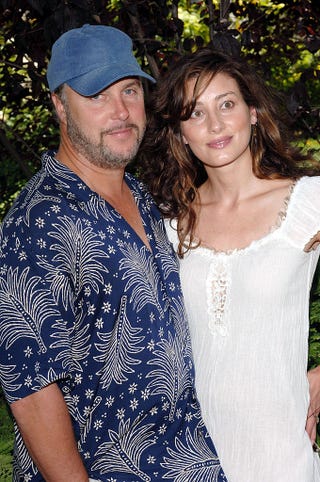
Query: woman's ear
[[184, 139], [253, 115]]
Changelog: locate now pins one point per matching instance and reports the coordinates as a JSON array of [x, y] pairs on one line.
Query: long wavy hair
[[168, 166]]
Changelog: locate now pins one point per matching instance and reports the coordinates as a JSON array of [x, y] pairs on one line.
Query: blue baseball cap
[[91, 58]]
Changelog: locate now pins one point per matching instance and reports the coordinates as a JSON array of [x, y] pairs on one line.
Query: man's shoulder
[[134, 182], [139, 188]]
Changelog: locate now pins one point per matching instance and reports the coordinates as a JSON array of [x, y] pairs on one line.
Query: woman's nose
[[215, 122]]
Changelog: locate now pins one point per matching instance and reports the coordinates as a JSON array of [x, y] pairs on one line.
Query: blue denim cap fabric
[[91, 58]]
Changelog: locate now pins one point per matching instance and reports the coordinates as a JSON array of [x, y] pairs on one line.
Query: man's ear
[[59, 107]]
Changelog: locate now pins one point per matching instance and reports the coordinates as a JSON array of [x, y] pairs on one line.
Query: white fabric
[[248, 314]]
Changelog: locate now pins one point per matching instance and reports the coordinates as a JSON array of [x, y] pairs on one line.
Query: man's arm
[[314, 407], [46, 428]]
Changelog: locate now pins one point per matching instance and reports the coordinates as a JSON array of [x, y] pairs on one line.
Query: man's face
[[108, 127]]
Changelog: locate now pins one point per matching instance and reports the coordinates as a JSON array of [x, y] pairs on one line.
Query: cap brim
[[99, 79]]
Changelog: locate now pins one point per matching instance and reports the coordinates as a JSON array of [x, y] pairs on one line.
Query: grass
[[6, 442]]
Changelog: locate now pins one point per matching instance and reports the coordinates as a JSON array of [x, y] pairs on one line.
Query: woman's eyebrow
[[219, 96]]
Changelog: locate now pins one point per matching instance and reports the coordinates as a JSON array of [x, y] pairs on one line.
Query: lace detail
[[218, 283], [283, 212]]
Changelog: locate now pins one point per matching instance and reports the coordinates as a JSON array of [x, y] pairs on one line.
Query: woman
[[243, 209]]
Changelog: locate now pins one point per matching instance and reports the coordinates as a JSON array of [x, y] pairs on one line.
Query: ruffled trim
[[284, 210]]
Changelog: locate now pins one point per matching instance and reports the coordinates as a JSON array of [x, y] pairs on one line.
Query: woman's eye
[[228, 104], [196, 114]]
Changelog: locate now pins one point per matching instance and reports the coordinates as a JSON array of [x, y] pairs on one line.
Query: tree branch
[[137, 29]]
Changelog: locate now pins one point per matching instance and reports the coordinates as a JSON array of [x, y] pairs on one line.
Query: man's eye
[[96, 97], [130, 91]]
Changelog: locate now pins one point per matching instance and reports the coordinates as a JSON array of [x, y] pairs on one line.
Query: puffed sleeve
[[303, 214]]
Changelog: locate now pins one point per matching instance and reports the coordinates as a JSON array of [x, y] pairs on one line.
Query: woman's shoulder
[[309, 181], [303, 214], [306, 193]]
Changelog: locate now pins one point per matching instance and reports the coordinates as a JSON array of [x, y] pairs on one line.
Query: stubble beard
[[99, 154]]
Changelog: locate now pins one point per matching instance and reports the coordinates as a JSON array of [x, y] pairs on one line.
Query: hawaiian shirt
[[84, 303]]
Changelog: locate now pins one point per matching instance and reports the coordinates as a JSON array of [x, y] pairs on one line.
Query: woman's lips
[[220, 143]]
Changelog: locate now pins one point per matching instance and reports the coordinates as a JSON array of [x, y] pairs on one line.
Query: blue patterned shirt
[[85, 304]]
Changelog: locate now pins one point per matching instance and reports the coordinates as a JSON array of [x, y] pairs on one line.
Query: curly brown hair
[[167, 165]]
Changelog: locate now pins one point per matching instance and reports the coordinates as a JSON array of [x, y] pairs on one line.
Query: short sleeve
[[303, 214], [34, 328]]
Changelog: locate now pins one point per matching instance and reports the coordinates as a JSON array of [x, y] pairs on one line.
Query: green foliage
[[6, 462], [314, 338], [25, 134], [281, 39]]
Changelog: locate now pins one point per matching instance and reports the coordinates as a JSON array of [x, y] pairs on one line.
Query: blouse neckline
[[275, 228]]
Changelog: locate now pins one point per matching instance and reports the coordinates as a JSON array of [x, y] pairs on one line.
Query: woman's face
[[219, 129]]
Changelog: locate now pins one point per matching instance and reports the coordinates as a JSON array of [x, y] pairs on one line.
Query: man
[[95, 356]]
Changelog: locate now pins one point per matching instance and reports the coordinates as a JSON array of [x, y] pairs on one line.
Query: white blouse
[[248, 313]]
